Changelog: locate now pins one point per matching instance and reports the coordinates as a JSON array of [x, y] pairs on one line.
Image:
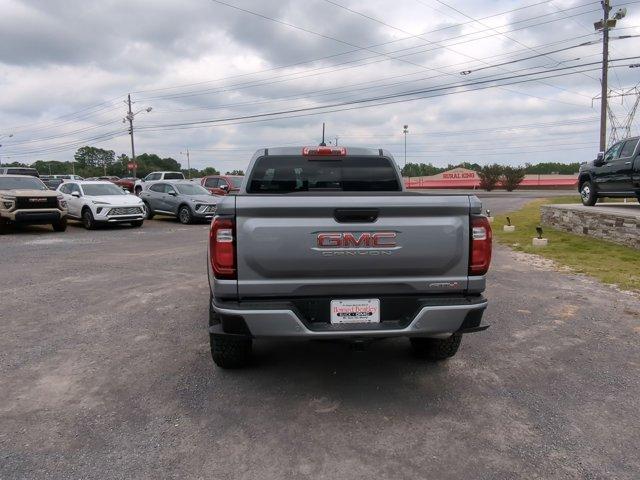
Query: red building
[[463, 178]]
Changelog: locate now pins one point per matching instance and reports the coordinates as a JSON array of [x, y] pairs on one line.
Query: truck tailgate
[[301, 246]]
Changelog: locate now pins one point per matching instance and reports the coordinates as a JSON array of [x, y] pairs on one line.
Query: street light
[[1, 137], [405, 131]]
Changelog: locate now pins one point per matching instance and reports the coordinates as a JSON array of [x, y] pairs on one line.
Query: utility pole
[[133, 148], [188, 162], [405, 130], [130, 116], [606, 7], [337, 137], [605, 25]]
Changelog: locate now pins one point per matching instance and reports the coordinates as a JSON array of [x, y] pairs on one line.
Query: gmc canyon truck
[[614, 173], [325, 243]]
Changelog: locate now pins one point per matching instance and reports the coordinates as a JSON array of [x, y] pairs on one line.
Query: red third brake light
[[324, 151], [480, 255], [222, 248]]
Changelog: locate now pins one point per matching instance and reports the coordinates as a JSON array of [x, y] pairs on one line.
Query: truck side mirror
[[599, 159]]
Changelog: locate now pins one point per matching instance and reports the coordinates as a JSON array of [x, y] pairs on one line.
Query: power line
[[332, 69], [305, 62], [393, 96]]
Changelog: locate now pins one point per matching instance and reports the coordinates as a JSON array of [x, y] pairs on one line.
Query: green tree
[[511, 177], [150, 162], [236, 172], [490, 176], [553, 167], [209, 171], [94, 158]]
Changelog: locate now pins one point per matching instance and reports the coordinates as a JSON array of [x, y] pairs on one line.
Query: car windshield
[[21, 183], [188, 189], [173, 176], [236, 181], [97, 189]]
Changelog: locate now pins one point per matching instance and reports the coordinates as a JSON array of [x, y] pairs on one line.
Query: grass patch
[[608, 262]]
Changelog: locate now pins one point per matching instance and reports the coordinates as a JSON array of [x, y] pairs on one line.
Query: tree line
[[97, 162]]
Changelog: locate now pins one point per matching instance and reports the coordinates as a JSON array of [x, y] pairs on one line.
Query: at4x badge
[[356, 244]]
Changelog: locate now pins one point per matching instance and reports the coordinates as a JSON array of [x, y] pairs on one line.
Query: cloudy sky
[[225, 78]]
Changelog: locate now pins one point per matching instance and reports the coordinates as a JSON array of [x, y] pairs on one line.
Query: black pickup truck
[[614, 173]]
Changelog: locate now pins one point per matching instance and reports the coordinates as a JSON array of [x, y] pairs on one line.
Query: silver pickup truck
[[325, 243]]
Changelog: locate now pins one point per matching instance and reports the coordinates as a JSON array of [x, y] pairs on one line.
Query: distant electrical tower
[[620, 124]]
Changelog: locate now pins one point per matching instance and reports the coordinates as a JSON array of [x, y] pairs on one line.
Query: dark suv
[[614, 173]]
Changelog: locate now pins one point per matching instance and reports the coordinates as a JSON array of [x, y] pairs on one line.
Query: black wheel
[[137, 190], [148, 213], [137, 223], [184, 215], [436, 348], [4, 226], [87, 219], [60, 225], [588, 193], [230, 351]]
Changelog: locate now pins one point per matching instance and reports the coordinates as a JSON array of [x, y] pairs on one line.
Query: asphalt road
[[105, 374]]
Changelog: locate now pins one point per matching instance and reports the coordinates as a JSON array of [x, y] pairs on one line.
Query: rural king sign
[[460, 175]]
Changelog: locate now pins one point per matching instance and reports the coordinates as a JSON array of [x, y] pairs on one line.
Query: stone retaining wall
[[610, 224]]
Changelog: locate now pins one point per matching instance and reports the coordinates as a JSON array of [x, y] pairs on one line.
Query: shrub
[[490, 176]]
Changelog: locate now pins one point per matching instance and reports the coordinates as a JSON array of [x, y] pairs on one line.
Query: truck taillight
[[222, 248], [480, 255], [340, 151]]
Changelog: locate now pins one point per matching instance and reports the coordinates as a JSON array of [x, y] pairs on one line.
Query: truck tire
[[137, 190], [230, 351], [588, 193], [436, 348], [60, 225]]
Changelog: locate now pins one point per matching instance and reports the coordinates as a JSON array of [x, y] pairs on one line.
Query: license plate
[[355, 311]]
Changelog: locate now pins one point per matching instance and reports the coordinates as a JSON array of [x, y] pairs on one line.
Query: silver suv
[[184, 200]]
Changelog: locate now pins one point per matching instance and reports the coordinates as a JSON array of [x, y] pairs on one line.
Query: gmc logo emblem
[[38, 200], [362, 240]]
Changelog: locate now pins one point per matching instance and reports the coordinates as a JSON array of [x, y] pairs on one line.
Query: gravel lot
[[105, 373]]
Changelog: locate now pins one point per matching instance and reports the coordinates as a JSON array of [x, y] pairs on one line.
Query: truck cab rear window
[[302, 174]]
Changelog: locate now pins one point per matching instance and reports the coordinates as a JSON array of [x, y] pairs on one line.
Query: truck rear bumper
[[277, 322]]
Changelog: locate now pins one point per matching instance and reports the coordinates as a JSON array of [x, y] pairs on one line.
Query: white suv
[[154, 176], [101, 202]]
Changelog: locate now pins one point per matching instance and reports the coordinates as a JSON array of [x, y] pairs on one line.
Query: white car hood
[[119, 200]]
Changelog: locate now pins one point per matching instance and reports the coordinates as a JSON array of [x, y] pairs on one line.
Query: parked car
[[101, 202], [185, 200], [24, 199], [128, 183], [222, 184], [52, 183], [156, 176], [68, 177], [19, 171], [325, 243], [614, 173]]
